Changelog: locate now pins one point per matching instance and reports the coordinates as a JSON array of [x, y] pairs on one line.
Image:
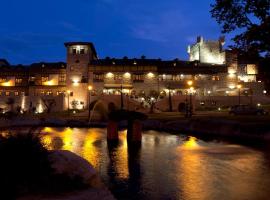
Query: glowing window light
[[150, 75], [190, 83], [7, 84], [109, 75], [239, 86], [127, 75], [231, 86]]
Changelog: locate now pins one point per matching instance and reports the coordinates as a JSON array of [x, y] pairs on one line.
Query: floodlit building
[[214, 77]]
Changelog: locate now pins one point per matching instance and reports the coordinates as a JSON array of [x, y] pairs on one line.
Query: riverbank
[[249, 128]]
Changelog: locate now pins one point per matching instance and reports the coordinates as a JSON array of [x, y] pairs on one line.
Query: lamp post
[[170, 101], [89, 101], [239, 93], [122, 100], [186, 105], [190, 83], [68, 93]]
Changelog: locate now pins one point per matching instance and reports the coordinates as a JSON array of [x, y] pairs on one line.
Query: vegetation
[[10, 102], [250, 19], [26, 169]]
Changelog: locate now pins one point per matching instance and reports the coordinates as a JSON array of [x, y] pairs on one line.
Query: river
[[169, 166]]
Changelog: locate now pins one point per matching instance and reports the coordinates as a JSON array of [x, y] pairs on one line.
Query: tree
[[250, 19], [49, 103], [10, 102]]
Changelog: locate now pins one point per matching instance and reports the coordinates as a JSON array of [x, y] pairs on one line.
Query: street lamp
[[68, 93], [189, 111], [90, 88], [239, 93]]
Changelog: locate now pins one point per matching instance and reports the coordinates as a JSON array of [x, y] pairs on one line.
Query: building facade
[[211, 73]]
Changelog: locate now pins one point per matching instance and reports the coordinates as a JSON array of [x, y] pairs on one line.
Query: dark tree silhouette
[[249, 18], [10, 102]]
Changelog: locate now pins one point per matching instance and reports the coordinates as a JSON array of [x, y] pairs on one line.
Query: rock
[[66, 162], [89, 194]]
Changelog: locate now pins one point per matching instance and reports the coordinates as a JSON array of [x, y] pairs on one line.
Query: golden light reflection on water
[[89, 150], [191, 143], [206, 172], [190, 168], [121, 156], [89, 144]]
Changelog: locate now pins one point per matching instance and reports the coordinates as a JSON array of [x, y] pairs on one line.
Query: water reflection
[[168, 166]]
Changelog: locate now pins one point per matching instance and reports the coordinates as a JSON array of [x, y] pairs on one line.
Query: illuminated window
[[2, 80], [98, 77], [118, 77], [16, 93], [49, 93], [59, 93], [18, 80], [44, 79], [138, 77], [0, 93], [215, 78], [62, 78], [7, 93]]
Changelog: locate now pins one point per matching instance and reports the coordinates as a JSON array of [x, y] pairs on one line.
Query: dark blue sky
[[35, 30]]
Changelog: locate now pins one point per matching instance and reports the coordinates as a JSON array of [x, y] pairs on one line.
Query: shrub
[[25, 168]]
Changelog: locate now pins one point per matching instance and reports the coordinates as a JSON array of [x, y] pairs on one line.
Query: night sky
[[35, 30]]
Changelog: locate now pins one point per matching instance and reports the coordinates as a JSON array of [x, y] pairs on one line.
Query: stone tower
[[79, 55], [207, 51]]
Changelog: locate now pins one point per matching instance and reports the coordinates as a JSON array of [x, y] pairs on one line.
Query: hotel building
[[214, 76]]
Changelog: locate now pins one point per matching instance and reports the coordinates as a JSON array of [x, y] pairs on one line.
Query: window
[[59, 93], [215, 78], [16, 93], [118, 77], [82, 51], [62, 78], [18, 80], [98, 77], [44, 79], [2, 80], [7, 93], [138, 77], [74, 51], [49, 93]]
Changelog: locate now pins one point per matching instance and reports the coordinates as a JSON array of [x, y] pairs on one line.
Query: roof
[[56, 65], [4, 62], [125, 62], [167, 66]]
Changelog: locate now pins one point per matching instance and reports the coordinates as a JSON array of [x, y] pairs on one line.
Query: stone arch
[[182, 107], [111, 107], [179, 92], [153, 93], [98, 107]]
